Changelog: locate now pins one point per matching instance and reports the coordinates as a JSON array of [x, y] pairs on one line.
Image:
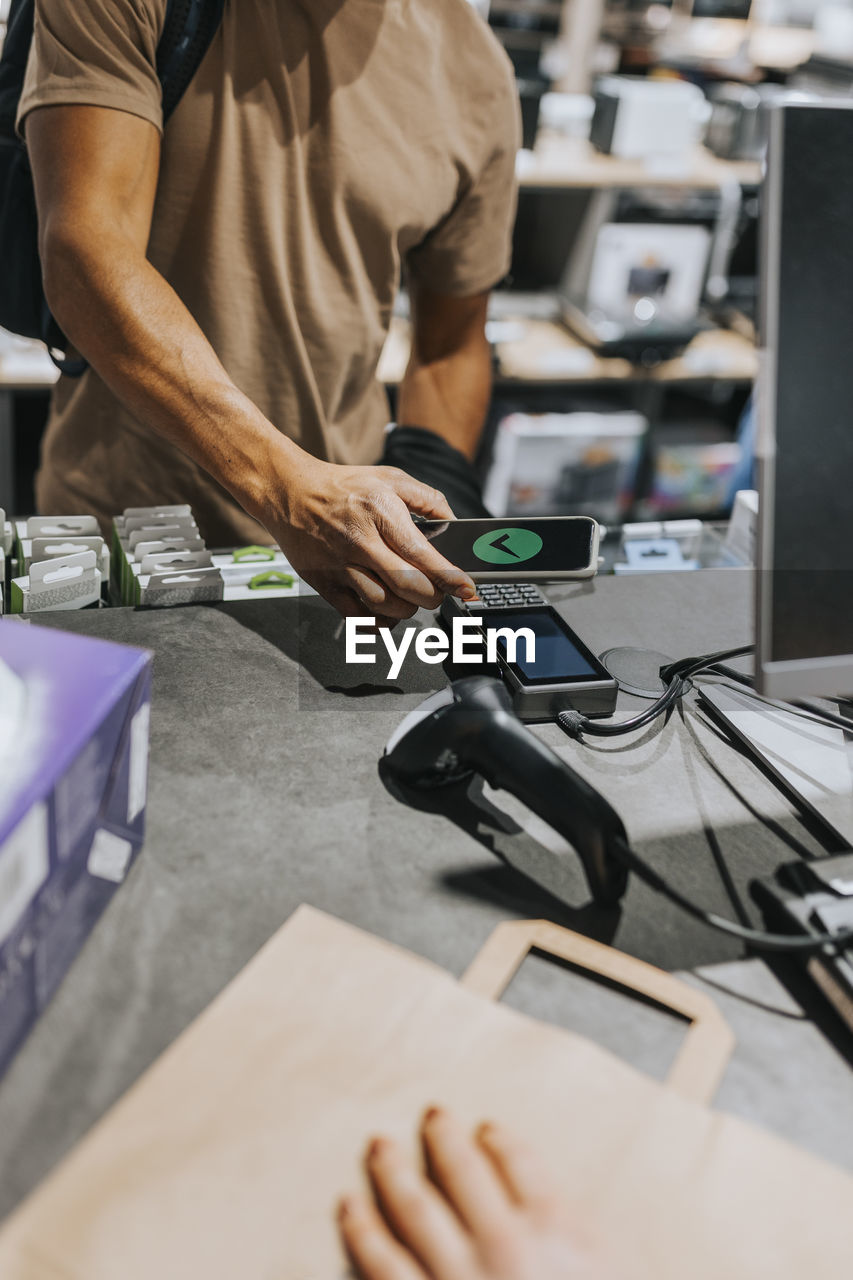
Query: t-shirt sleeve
[[471, 248], [97, 53]]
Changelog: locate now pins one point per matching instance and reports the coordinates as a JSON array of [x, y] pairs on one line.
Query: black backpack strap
[[16, 50], [187, 32]]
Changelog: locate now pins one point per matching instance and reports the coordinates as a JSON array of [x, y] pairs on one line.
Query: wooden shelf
[[546, 352], [558, 161], [549, 353]]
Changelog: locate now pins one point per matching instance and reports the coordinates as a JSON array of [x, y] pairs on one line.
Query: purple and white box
[[74, 716]]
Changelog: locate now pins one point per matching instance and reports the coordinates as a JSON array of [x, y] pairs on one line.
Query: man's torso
[[318, 143]]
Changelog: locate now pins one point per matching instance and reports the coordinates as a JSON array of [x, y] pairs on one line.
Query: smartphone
[[539, 549], [563, 672]]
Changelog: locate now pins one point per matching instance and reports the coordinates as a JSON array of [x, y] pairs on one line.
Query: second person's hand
[[489, 1210]]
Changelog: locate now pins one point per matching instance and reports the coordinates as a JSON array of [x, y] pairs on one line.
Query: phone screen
[[561, 657], [509, 546]]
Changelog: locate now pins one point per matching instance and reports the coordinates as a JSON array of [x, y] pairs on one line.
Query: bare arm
[[346, 529], [95, 173], [448, 382]]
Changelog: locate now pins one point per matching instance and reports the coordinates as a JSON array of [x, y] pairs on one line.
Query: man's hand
[[488, 1211], [349, 533]]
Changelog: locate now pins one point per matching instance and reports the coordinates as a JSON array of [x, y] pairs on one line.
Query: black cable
[[756, 938], [691, 666], [574, 723], [675, 675], [741, 677]]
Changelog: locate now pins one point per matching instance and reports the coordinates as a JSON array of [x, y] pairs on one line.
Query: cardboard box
[[690, 477], [74, 716], [565, 464]]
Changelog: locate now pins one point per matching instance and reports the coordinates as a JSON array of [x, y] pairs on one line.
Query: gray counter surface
[[264, 794]]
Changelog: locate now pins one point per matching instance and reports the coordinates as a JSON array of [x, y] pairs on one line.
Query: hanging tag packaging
[[66, 582]]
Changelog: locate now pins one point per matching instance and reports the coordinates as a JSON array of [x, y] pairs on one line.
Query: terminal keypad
[[508, 595]]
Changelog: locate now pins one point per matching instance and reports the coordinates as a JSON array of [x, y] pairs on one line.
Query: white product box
[[565, 464], [68, 582], [636, 263]]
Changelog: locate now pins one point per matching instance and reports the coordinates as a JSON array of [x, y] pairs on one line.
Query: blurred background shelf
[[559, 161], [544, 351]]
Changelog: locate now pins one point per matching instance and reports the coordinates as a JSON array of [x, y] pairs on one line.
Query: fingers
[[376, 597], [345, 600], [342, 598], [464, 1173], [417, 1213], [372, 1248], [418, 497], [402, 579], [352, 537], [527, 1180], [403, 537]]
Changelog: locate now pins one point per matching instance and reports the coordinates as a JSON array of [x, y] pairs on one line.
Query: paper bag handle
[[708, 1044]]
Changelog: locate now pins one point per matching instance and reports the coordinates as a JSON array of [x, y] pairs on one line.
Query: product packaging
[[690, 477], [159, 559], [138, 532], [7, 534], [36, 550], [250, 573], [74, 716], [7, 538], [66, 582], [191, 586], [666, 545], [42, 538], [565, 464]]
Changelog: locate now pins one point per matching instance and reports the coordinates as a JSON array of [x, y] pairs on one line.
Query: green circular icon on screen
[[507, 546]]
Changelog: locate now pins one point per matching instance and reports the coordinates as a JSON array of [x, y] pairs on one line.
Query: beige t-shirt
[[321, 145]]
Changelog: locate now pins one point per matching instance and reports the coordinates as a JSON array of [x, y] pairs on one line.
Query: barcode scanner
[[471, 728]]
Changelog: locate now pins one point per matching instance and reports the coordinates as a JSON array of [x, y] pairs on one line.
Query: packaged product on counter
[[250, 573], [160, 559], [169, 527], [565, 463], [66, 582], [74, 715], [7, 537]]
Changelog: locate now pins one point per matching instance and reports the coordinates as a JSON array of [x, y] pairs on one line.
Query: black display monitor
[[728, 9], [805, 405]]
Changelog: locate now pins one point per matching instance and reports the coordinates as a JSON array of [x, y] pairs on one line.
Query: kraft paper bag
[[226, 1159]]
